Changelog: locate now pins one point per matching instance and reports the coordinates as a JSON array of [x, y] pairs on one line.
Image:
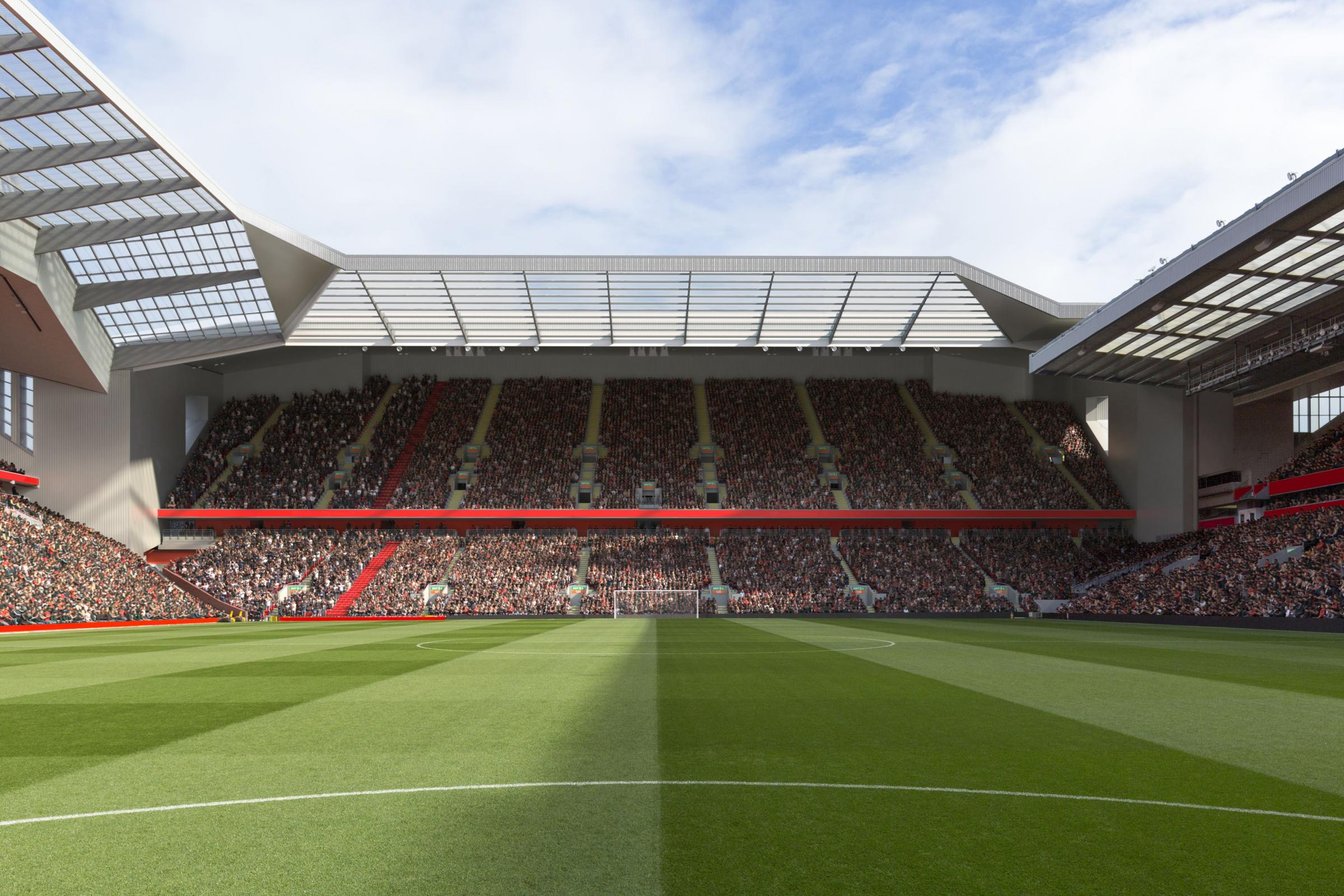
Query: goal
[[655, 603]]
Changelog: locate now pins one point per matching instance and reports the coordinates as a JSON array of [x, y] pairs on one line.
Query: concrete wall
[[1263, 434], [107, 460]]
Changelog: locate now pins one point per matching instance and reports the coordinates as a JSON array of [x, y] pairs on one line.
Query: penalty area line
[[794, 785]]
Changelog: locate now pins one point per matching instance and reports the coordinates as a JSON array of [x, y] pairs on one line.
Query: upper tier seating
[[12, 468], [53, 569], [428, 479], [881, 447], [995, 451], [536, 427], [919, 570], [232, 425], [362, 485], [648, 427], [300, 451], [1323, 451], [761, 429], [782, 571], [1056, 423]]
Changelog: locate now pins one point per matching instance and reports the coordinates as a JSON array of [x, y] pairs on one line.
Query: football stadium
[[621, 574]]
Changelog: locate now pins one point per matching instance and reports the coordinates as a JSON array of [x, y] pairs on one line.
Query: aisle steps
[[348, 456], [366, 575], [826, 454], [476, 448], [239, 455], [590, 453], [937, 449], [705, 452], [413, 440], [1041, 448]]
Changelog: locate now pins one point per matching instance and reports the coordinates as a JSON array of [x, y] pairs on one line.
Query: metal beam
[[17, 43], [13, 107], [461, 327], [686, 320], [910, 324], [765, 307], [97, 295], [69, 236], [611, 320], [835, 324], [531, 307], [368, 294], [32, 203], [18, 161]]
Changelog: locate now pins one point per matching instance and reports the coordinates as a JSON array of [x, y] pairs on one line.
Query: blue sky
[[1064, 144]]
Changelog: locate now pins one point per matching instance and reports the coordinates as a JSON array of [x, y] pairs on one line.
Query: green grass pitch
[[1003, 723]]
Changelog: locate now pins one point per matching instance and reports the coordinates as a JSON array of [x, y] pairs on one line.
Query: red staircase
[[413, 440], [346, 600]]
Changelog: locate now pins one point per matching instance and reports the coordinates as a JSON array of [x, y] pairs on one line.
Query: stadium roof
[[1257, 302], [172, 270]]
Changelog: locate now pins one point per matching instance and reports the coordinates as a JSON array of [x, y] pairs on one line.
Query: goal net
[[655, 603]]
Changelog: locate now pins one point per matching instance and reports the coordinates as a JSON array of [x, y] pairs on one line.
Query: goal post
[[655, 602]]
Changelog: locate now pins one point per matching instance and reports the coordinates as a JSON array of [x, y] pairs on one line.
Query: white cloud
[[530, 126]]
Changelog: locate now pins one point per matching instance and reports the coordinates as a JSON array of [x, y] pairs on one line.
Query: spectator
[[247, 567], [918, 571], [512, 573], [1040, 563], [881, 447], [428, 480], [1056, 424], [53, 569], [536, 427], [366, 479], [648, 428], [760, 427], [782, 571], [664, 560], [423, 559], [233, 424]]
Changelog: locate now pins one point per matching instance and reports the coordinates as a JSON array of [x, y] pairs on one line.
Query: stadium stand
[[672, 560], [782, 571], [12, 467], [1234, 571], [232, 425], [761, 429], [512, 573], [881, 448], [918, 571], [423, 559], [365, 481], [994, 450], [428, 476], [1323, 451], [300, 452], [536, 427], [1057, 424], [648, 428], [1040, 563], [53, 569], [247, 567]]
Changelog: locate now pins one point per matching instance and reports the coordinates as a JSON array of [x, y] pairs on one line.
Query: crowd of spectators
[[334, 575], [428, 479], [782, 571], [12, 468], [880, 444], [668, 560], [365, 480], [1313, 496], [53, 569], [994, 449], [1040, 563], [536, 427], [759, 426], [246, 567], [648, 428], [1056, 423], [512, 573], [422, 559], [300, 451], [233, 424], [1225, 578], [918, 571], [1324, 450]]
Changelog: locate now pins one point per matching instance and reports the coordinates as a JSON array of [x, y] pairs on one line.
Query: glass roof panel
[[236, 309]]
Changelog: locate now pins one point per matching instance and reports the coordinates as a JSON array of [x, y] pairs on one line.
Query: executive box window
[[16, 407]]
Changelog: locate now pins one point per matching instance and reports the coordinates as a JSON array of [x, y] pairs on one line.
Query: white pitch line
[[801, 785]]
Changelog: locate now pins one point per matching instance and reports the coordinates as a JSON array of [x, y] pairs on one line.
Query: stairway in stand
[[347, 600], [413, 440]]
